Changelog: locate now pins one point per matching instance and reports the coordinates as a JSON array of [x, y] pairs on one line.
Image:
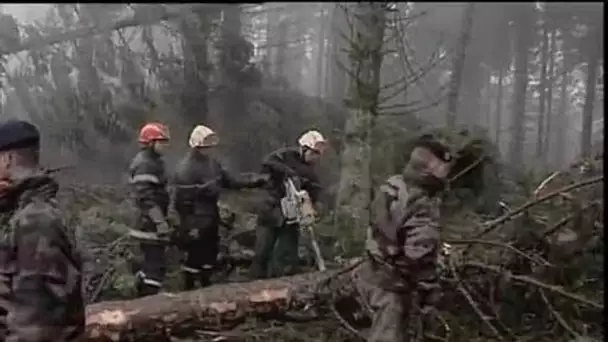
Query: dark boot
[[144, 289], [189, 281], [205, 278]]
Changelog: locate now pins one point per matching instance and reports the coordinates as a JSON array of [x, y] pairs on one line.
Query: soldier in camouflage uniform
[[296, 163], [198, 180], [148, 181], [404, 242], [40, 268]]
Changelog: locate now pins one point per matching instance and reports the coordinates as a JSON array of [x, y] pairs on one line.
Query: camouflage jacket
[[404, 238], [198, 179], [40, 268], [148, 180], [288, 162]]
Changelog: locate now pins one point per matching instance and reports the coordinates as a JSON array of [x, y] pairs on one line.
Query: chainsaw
[[297, 208]]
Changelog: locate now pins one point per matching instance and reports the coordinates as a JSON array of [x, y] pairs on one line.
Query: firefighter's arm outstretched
[[242, 181]]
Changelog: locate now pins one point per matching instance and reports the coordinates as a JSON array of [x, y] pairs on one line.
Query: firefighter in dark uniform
[[197, 182], [296, 163], [40, 268], [148, 182]]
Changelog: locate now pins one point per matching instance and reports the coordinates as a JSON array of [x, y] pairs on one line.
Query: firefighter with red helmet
[[148, 181]]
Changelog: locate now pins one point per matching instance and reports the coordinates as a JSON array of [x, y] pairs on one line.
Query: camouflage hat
[[16, 134], [438, 148]]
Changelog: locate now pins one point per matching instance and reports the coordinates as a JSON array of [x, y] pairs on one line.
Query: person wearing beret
[[40, 268], [403, 243]]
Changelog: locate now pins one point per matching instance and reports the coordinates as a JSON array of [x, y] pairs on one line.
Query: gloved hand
[[174, 221]]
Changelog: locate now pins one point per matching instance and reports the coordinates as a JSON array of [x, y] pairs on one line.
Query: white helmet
[[203, 136], [312, 140]]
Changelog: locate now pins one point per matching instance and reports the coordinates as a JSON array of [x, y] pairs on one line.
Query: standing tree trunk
[[354, 192], [337, 76], [485, 100], [458, 65], [272, 18], [523, 28], [549, 134], [194, 47], [281, 53], [499, 102], [542, 90], [562, 118], [593, 58], [320, 91]]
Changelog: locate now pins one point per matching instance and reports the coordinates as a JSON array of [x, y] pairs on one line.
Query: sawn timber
[[216, 308]]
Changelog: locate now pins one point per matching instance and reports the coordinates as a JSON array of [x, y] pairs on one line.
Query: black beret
[[436, 147], [16, 134]]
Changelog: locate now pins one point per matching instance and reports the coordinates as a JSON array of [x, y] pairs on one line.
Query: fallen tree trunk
[[84, 32], [216, 308]]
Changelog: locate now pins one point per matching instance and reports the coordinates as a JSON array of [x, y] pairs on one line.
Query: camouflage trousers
[[390, 310]]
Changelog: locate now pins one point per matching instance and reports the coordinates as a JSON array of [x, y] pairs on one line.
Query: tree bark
[[542, 90], [499, 102], [354, 192], [593, 58], [194, 46], [459, 63], [281, 53], [216, 308], [337, 76], [523, 36], [562, 118], [549, 134], [320, 91]]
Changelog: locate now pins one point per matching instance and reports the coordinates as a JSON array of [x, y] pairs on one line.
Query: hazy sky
[[25, 12]]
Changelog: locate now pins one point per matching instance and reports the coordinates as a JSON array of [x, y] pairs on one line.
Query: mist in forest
[[514, 89], [529, 76]]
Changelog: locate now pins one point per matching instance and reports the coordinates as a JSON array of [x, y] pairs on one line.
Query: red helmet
[[152, 132]]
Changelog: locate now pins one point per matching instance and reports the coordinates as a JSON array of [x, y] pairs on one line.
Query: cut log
[[216, 308]]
